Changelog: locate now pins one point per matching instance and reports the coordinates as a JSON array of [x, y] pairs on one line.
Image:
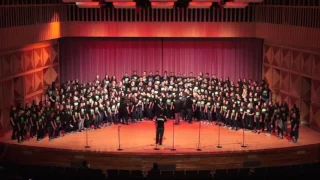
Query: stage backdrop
[[83, 58]]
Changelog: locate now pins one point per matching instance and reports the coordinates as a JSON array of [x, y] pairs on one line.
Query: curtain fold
[[84, 58], [232, 58]]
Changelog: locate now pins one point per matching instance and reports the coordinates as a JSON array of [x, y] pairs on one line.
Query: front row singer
[[160, 120]]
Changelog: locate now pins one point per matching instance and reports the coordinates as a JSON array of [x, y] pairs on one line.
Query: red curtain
[[83, 58], [232, 58]]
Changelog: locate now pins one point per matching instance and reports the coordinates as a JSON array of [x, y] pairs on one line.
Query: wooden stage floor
[[138, 139]]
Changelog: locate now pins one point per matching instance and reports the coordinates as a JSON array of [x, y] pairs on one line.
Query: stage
[[137, 141]]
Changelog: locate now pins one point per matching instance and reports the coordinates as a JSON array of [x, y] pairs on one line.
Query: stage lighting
[[74, 1], [249, 1], [235, 5], [122, 4], [162, 5], [200, 4], [88, 4], [163, 0]]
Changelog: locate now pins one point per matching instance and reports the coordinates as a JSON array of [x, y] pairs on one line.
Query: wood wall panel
[[29, 83], [46, 53], [23, 79], [27, 60], [23, 35], [157, 29], [128, 161], [277, 56], [306, 88], [296, 61], [305, 106], [295, 85], [50, 74], [307, 63], [54, 55], [38, 80], [286, 57], [6, 65], [1, 96], [299, 79], [4, 121], [268, 54], [18, 86], [276, 79], [7, 92], [315, 117], [316, 66], [1, 124], [0, 67], [17, 62], [289, 35], [57, 70], [275, 24], [284, 97], [37, 58], [285, 81], [315, 91], [267, 72]]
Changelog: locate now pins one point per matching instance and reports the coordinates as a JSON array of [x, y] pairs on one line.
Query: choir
[[75, 106]]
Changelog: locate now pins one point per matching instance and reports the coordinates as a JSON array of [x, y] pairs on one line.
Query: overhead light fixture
[[88, 4], [162, 5], [163, 0], [249, 1], [200, 4], [235, 5], [121, 4], [75, 1], [206, 0], [118, 0]]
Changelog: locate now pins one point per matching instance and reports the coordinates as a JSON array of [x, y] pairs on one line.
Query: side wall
[[294, 76], [25, 73], [291, 56]]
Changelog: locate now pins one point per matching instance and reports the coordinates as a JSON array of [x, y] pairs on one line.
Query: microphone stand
[[119, 149], [173, 149], [87, 143], [199, 149], [219, 146], [156, 148], [243, 145]]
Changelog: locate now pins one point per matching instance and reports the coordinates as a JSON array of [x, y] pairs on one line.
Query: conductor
[[160, 120]]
